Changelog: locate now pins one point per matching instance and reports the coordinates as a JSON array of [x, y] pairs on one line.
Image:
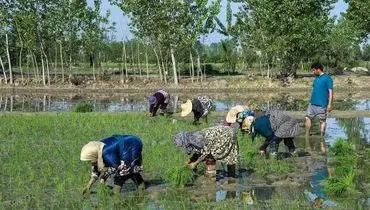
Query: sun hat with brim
[[231, 115], [93, 151], [186, 108]]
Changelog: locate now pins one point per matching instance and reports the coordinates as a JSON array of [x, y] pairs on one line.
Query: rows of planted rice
[[41, 168]]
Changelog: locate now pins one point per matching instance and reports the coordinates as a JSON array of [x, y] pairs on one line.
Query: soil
[[211, 84]]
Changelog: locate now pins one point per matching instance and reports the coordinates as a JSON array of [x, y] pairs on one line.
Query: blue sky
[[123, 30]]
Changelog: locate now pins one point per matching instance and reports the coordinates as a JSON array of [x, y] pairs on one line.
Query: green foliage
[[180, 176], [343, 152], [84, 107], [341, 186], [343, 156]]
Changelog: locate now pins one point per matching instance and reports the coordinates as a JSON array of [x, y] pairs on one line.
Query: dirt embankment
[[210, 84]]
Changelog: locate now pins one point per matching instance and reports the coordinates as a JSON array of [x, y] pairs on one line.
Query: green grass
[[40, 152]]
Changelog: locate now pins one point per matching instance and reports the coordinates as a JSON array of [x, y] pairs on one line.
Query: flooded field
[[40, 156], [111, 102]]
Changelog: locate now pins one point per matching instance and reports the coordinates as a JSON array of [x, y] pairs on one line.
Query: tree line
[[45, 40]]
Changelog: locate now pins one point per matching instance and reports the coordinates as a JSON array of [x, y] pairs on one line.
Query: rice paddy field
[[40, 152]]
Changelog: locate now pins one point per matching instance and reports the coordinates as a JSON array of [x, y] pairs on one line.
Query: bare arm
[[331, 100], [200, 159]]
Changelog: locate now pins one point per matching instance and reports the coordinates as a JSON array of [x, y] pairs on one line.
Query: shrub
[[84, 107]]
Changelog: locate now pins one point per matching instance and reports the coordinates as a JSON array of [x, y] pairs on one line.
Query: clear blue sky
[[123, 30]]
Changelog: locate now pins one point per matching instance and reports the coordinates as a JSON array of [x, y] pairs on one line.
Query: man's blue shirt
[[320, 90]]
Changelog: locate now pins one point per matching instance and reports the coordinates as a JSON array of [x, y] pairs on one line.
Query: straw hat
[[231, 115], [93, 151], [186, 108]]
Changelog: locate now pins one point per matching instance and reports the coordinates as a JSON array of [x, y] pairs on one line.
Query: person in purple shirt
[[118, 155], [322, 99], [159, 100]]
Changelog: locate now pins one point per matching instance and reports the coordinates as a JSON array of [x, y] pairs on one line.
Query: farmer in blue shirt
[[118, 155], [321, 99], [275, 126]]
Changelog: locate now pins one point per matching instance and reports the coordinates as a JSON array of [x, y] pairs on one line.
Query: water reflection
[[138, 102]]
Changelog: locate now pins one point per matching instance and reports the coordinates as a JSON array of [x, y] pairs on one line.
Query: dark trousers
[[135, 177], [274, 144]]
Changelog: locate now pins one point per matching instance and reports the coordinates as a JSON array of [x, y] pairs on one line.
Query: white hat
[[186, 108], [233, 112], [93, 151]]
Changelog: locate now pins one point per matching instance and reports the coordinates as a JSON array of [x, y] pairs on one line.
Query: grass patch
[[84, 107]]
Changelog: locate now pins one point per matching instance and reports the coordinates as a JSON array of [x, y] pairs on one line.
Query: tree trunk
[[28, 68], [125, 59], [20, 63], [138, 59], [37, 68], [192, 67], [199, 70], [9, 63], [47, 66], [159, 65], [132, 57], [174, 67], [94, 71], [56, 62], [147, 64], [61, 60], [43, 69], [70, 63], [2, 66], [164, 68]]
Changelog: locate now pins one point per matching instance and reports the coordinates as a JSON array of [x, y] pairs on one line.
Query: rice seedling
[[180, 176], [343, 157]]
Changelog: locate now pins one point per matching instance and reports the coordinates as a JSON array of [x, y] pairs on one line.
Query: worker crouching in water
[[118, 155], [200, 107], [275, 126], [209, 145]]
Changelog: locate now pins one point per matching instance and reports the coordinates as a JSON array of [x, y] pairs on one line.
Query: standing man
[[321, 99]]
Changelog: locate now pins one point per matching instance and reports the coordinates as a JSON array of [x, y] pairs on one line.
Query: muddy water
[[138, 102]]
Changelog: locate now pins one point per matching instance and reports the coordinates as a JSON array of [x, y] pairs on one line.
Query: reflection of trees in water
[[354, 129]]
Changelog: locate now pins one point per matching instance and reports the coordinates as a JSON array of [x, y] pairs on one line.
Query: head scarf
[[189, 141], [93, 151], [152, 100]]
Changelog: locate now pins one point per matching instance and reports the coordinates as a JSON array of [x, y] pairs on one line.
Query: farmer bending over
[[158, 100], [118, 155], [275, 126], [200, 106], [209, 145]]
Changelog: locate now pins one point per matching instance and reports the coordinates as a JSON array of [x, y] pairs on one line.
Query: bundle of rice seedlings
[[180, 176]]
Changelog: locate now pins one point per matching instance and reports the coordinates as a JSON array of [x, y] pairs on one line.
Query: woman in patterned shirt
[[212, 144]]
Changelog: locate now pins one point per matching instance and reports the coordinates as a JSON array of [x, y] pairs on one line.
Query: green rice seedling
[[84, 107], [340, 186], [180, 176], [342, 148]]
